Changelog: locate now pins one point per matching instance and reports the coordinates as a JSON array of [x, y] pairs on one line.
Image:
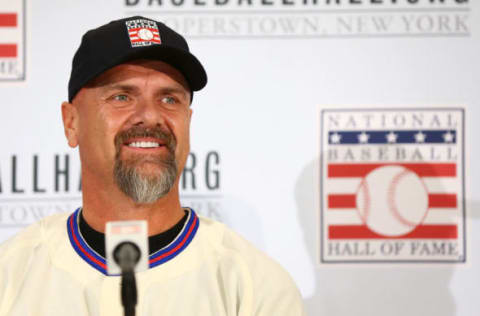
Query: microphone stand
[[129, 292], [127, 255]]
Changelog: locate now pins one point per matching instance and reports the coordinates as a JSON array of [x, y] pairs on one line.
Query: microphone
[[126, 245], [126, 255]]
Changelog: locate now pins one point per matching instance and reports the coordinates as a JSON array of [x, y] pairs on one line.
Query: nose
[[147, 113]]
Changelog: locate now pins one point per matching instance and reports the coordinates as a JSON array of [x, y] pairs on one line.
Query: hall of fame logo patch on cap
[[392, 185], [143, 32], [12, 40]]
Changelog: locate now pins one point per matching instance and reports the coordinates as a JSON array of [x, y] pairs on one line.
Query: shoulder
[[228, 243], [22, 252], [273, 289], [33, 236]]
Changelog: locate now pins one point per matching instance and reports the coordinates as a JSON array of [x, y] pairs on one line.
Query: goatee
[[145, 188]]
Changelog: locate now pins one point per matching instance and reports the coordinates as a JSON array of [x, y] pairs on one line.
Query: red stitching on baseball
[[366, 202], [391, 199]]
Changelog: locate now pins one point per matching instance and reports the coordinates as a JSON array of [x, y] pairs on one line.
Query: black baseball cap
[[129, 39]]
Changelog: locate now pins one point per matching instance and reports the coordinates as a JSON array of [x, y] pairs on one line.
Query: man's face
[[132, 123]]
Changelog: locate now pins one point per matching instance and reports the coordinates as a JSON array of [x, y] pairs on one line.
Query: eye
[[120, 97], [169, 100]]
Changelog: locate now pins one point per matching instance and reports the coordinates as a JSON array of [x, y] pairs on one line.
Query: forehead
[[142, 69]]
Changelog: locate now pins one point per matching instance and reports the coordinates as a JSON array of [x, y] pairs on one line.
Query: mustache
[[156, 132]]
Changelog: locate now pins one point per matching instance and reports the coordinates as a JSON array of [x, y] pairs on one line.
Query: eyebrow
[[122, 87], [133, 88]]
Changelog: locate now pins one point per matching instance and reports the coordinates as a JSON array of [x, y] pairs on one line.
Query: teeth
[[143, 144]]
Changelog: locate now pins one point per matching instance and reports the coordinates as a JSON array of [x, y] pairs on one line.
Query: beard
[[145, 188]]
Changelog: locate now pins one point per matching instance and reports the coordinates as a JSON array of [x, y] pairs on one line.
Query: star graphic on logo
[[420, 137], [335, 138], [363, 138], [391, 137], [448, 137]]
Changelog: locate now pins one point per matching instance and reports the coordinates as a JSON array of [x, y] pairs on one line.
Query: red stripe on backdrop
[[434, 201], [8, 19], [8, 50], [442, 200], [421, 169], [342, 201], [421, 232]]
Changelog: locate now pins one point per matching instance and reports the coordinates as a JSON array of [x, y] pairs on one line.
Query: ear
[[70, 123], [188, 119]]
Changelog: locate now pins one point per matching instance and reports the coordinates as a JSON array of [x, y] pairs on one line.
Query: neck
[[105, 202]]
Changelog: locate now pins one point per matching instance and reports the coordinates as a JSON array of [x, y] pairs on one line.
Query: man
[[129, 113]]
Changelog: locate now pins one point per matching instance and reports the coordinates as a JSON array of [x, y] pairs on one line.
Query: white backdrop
[[273, 65]]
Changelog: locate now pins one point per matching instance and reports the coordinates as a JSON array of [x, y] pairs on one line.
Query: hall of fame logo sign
[[143, 32], [392, 185], [12, 40]]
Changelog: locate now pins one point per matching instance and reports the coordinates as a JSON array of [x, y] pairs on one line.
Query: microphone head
[[127, 255]]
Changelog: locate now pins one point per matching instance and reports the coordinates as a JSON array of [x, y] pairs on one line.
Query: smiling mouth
[[146, 140], [149, 143], [144, 144]]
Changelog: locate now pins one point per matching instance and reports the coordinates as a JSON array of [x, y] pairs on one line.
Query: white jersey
[[48, 269]]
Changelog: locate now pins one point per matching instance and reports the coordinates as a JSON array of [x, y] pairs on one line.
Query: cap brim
[[183, 61]]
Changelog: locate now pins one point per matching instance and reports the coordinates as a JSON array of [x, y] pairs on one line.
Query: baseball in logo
[[143, 32], [12, 40], [392, 185]]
